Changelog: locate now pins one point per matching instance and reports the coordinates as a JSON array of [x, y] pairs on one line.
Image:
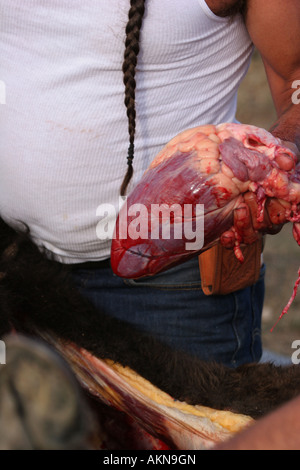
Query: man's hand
[[252, 220], [275, 30], [270, 217], [285, 162]]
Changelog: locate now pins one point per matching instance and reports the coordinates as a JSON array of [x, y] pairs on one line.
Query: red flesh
[[214, 166]]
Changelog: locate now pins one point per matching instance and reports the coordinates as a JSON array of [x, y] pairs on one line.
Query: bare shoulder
[[227, 7]]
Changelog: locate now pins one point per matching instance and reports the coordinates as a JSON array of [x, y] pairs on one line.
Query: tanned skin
[[280, 51], [274, 27]]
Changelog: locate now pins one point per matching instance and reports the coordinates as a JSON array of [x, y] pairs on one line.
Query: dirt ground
[[281, 252]]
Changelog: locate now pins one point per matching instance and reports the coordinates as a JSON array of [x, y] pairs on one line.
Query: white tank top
[[63, 129]]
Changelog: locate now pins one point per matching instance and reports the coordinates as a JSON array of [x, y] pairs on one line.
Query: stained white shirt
[[63, 127]]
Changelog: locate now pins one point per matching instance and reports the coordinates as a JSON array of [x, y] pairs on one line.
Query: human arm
[[274, 27], [279, 430]]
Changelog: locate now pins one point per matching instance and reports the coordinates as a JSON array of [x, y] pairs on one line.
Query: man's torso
[[63, 129]]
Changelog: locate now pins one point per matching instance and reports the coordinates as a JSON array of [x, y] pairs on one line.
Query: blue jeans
[[173, 307]]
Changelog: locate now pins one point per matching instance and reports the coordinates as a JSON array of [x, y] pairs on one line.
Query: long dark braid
[[132, 48]]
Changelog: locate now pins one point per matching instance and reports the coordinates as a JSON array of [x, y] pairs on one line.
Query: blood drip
[[285, 310]]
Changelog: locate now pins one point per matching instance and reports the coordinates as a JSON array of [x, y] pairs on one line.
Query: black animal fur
[[34, 288]]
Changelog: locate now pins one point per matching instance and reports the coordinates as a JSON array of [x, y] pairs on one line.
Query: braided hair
[[132, 48]]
